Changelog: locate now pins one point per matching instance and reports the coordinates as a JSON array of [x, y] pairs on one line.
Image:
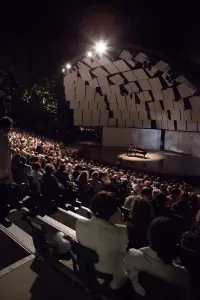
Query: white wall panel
[[123, 137]]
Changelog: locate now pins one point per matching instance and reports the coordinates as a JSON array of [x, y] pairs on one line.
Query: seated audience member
[[36, 176], [194, 204], [157, 259], [49, 184], [159, 206], [61, 175], [27, 167], [191, 239], [141, 215], [146, 193], [17, 168], [182, 207], [85, 192], [129, 201], [173, 197], [95, 183], [124, 191], [107, 239]]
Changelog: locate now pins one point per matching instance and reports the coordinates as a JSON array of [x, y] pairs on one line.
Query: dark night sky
[[52, 32]]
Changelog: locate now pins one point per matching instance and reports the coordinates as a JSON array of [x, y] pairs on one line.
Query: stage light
[[68, 66], [89, 54], [63, 70], [100, 47]]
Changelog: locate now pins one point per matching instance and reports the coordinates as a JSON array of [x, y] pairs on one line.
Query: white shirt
[[37, 175], [110, 242], [147, 260]]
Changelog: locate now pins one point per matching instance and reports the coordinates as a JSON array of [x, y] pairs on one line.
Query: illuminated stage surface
[[163, 162]]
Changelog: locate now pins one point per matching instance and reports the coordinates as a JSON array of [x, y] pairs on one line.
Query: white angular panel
[[80, 90], [134, 87], [186, 115], [126, 55], [93, 83], [175, 115], [164, 124], [111, 68], [91, 62], [164, 115], [125, 114], [179, 105], [131, 63], [153, 115], [78, 117], [152, 71], [95, 116], [121, 123], [134, 114], [144, 84], [155, 84], [181, 125], [84, 104], [141, 106], [184, 90], [159, 124], [162, 66], [170, 125], [158, 114], [93, 106], [195, 102], [130, 76], [102, 60], [141, 57], [128, 88], [115, 90], [157, 94], [141, 96], [168, 105], [147, 96], [198, 126], [146, 123], [168, 94], [191, 126], [86, 117], [90, 94], [140, 74], [137, 123], [152, 106], [112, 122], [74, 104], [104, 85], [117, 114], [157, 105], [117, 79], [121, 65], [181, 79], [196, 115], [85, 74], [129, 123], [131, 102], [99, 72], [143, 115]]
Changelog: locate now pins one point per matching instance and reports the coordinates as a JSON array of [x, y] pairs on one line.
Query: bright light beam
[[89, 54], [100, 47], [68, 66]]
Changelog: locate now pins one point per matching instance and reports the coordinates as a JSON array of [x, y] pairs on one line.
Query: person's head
[[175, 193], [104, 205], [102, 177], [141, 213], [161, 199], [146, 193], [36, 166], [163, 239], [49, 168], [95, 175], [184, 197], [62, 168], [5, 124], [194, 200], [83, 177]]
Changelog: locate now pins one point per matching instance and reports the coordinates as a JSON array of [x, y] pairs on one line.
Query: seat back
[[156, 288], [46, 251], [84, 267]]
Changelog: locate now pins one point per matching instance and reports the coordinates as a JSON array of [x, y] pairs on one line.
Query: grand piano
[[136, 150]]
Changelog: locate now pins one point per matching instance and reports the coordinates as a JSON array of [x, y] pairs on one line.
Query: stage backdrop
[[123, 137], [183, 142]]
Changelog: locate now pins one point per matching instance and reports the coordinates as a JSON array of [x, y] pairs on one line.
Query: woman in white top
[[36, 175]]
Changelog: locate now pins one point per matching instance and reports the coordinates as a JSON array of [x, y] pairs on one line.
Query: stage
[[162, 162]]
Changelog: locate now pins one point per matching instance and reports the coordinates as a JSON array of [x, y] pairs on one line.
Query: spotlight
[[89, 54], [100, 47], [68, 66], [63, 70]]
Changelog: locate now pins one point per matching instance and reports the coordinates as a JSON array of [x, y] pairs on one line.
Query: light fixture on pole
[[89, 54], [100, 47], [68, 66]]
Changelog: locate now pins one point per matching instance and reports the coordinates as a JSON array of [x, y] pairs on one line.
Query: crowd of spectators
[[56, 176]]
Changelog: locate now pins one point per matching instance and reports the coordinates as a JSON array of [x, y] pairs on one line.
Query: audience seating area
[[53, 188]]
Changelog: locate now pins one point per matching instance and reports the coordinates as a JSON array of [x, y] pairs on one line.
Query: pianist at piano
[[133, 149]]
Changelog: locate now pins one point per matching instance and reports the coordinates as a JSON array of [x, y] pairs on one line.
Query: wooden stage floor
[[162, 162]]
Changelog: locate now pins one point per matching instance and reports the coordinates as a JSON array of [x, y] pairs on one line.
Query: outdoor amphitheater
[[116, 219]]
